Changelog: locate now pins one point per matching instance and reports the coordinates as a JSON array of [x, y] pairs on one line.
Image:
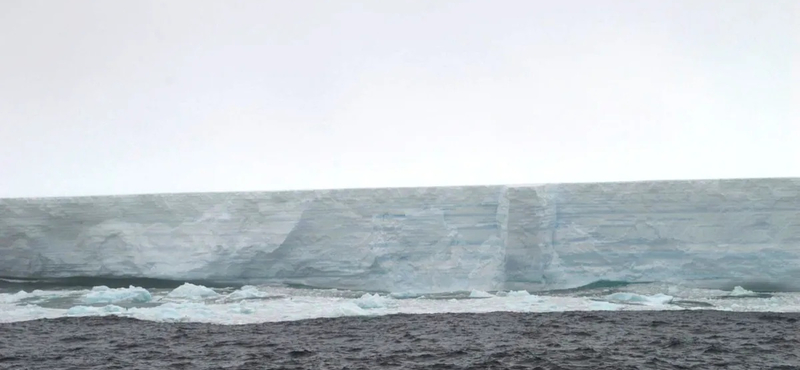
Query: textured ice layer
[[714, 233]]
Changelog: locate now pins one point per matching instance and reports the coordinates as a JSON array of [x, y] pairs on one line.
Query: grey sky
[[109, 97]]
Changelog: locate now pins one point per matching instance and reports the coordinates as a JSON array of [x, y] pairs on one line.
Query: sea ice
[[299, 304], [191, 291], [246, 292], [370, 301], [104, 294], [92, 311]]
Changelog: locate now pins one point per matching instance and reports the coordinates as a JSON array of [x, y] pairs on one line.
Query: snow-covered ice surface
[[254, 304]]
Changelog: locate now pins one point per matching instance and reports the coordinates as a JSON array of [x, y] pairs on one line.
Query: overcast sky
[[116, 97]]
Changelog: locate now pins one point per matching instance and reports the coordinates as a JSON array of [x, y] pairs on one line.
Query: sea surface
[[687, 339]]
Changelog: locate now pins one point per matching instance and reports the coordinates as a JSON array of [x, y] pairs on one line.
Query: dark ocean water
[[568, 340]]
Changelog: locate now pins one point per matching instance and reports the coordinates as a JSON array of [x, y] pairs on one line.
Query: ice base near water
[[255, 304]]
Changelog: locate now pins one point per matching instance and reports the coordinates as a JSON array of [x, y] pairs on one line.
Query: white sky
[[112, 97]]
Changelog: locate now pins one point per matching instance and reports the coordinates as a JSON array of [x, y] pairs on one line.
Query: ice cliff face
[[421, 239]]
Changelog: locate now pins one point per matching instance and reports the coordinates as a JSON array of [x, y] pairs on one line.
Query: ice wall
[[420, 239]]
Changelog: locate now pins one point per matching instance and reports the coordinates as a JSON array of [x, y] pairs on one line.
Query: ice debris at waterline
[[711, 233], [254, 304], [104, 294]]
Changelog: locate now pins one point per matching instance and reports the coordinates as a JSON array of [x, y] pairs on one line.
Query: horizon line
[[518, 185]]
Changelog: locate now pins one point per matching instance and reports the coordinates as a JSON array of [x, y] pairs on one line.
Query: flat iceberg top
[[482, 238]]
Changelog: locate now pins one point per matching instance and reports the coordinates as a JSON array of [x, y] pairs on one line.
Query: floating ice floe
[[371, 301], [104, 294], [246, 292], [94, 311], [191, 291]]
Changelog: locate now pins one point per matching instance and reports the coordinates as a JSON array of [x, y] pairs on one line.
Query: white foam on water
[[36, 295], [741, 292], [14, 313], [517, 293], [248, 292], [480, 294], [656, 299], [406, 295], [15, 297]]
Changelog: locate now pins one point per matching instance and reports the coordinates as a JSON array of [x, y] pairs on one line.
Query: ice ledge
[[419, 239]]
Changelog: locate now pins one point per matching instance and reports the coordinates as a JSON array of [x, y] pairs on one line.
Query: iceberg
[[708, 233]]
